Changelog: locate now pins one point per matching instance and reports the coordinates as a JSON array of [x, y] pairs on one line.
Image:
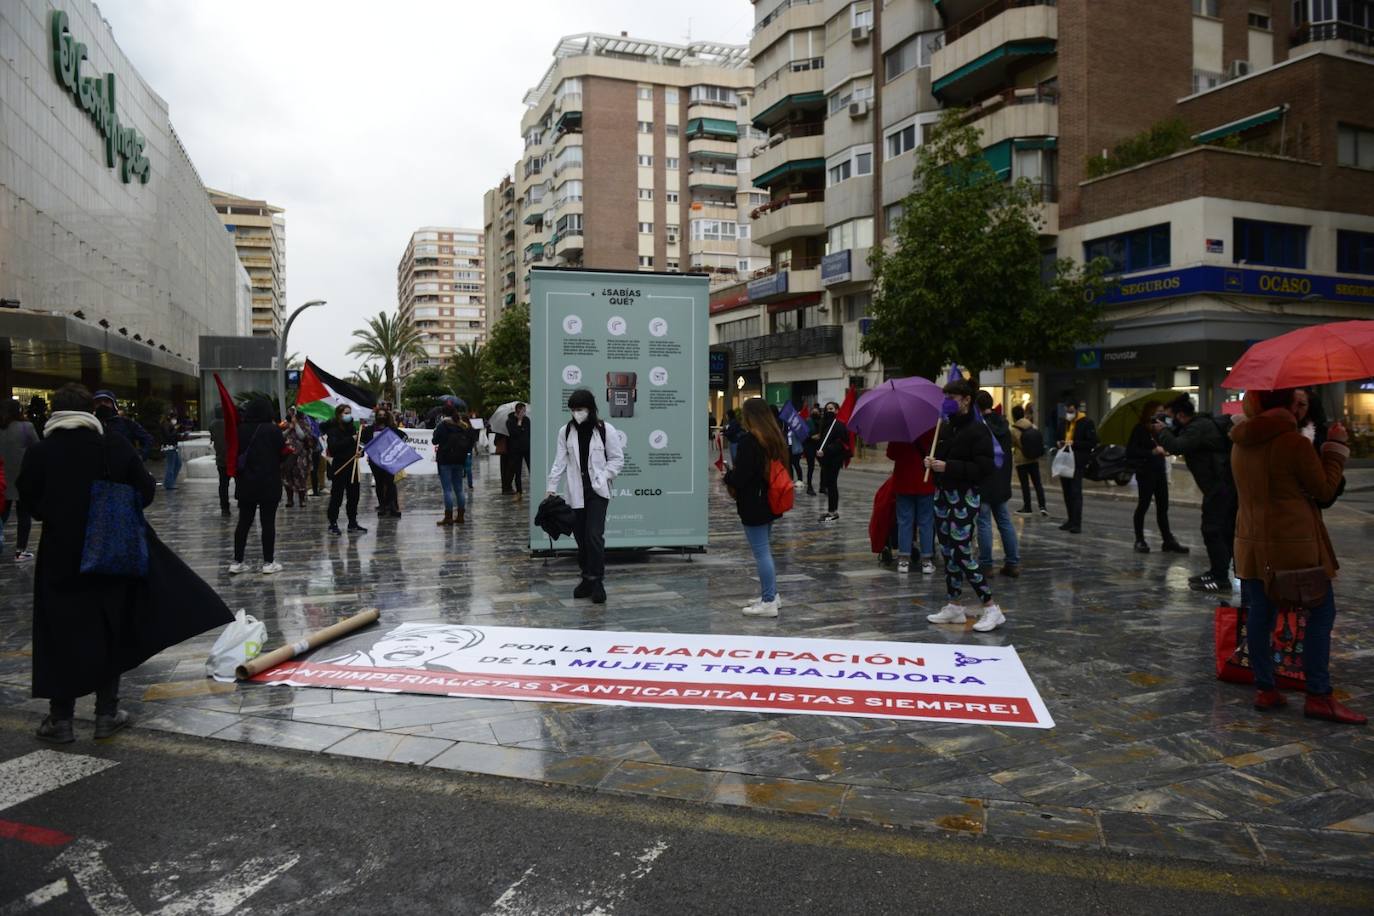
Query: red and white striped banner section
[[984, 685]]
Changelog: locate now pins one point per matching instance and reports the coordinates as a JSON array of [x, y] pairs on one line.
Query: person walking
[[1080, 434], [453, 439], [474, 423], [760, 444], [258, 483], [1280, 478], [995, 497], [518, 444], [298, 465], [16, 436], [963, 460], [221, 446], [1028, 447], [833, 453], [169, 431], [341, 445], [1205, 447], [383, 481], [588, 454], [915, 502], [1147, 457]]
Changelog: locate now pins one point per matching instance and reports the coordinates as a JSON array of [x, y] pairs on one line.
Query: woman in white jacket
[[587, 451]]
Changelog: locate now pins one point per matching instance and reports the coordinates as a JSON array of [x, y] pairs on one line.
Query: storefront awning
[[796, 165], [717, 126], [1241, 125]]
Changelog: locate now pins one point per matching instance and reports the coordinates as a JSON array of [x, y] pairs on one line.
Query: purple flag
[[795, 424], [390, 452]]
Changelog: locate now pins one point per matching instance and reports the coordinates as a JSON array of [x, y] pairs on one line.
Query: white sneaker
[[950, 613], [758, 601], [763, 609], [992, 619], [903, 567], [236, 568], [269, 568], [928, 568]]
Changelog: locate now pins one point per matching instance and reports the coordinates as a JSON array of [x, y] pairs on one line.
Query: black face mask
[[104, 411]]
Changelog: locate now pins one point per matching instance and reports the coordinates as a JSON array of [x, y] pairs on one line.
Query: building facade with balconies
[[499, 217], [259, 232], [441, 291]]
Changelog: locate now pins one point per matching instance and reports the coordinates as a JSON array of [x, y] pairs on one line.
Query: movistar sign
[[96, 96]]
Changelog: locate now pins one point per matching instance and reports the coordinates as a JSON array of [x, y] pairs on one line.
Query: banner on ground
[[882, 680]]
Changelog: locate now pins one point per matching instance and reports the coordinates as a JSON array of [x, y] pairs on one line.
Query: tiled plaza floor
[[1150, 754]]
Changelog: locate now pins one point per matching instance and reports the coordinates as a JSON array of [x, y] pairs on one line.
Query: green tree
[[371, 379], [388, 340], [422, 390], [964, 282], [506, 358], [464, 376]]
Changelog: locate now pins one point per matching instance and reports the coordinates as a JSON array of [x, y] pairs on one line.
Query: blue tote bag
[[116, 543]]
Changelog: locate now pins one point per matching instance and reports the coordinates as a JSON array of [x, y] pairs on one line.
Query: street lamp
[[281, 354]]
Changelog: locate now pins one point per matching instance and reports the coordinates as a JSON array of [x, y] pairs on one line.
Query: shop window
[[1354, 252], [1271, 244], [892, 216], [1141, 249]]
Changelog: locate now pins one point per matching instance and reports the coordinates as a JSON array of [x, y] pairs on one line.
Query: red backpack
[[781, 493]]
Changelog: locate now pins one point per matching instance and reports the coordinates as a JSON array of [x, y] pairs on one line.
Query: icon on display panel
[[621, 393]]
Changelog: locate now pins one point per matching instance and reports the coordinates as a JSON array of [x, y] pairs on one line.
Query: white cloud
[[367, 120]]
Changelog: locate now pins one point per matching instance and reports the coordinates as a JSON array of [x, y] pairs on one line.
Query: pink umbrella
[[898, 410], [1342, 351]]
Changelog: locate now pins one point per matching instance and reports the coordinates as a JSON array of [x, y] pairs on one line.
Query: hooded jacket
[[1279, 480], [965, 447], [260, 446], [1203, 450]]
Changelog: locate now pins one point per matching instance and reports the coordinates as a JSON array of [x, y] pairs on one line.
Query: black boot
[[1141, 546], [1172, 546], [584, 588]]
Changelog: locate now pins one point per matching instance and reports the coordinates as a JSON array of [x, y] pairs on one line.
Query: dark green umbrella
[[1115, 428]]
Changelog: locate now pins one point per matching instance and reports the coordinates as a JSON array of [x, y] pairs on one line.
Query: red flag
[[851, 397], [720, 453], [231, 428], [806, 412]]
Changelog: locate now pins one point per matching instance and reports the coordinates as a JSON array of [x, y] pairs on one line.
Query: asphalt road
[[155, 823]]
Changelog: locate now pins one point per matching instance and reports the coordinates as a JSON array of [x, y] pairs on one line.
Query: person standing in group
[[37, 414], [760, 445], [518, 444], [1028, 445], [963, 460], [813, 442], [833, 453], [1146, 457], [297, 466], [453, 440], [319, 468], [383, 481], [169, 431], [588, 454], [474, 423], [257, 484], [732, 433], [1280, 480], [221, 447], [107, 412], [995, 495], [16, 436], [1204, 444], [1080, 434], [341, 445], [915, 502]]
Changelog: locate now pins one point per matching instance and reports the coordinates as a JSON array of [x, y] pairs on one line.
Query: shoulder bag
[[1307, 587], [116, 544]]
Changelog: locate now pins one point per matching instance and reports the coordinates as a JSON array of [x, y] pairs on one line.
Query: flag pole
[[357, 444], [933, 444]]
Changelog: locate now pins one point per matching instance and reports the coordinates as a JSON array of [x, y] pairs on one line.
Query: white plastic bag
[[241, 641], [1063, 465]]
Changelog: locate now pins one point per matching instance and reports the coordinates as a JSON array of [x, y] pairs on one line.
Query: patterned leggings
[[956, 513]]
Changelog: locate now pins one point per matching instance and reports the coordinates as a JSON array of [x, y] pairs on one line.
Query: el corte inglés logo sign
[[96, 96]]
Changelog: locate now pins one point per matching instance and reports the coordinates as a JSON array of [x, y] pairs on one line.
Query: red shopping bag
[[1286, 644]]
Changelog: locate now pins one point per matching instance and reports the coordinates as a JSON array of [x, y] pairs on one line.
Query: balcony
[[797, 84], [790, 217], [822, 340], [712, 148], [1016, 113], [803, 150], [1347, 33], [705, 178], [977, 53], [567, 245], [798, 277], [785, 16]]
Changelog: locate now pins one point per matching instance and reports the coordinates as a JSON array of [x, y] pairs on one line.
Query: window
[[853, 162], [739, 329], [646, 193], [646, 260], [671, 162], [1274, 244], [572, 223], [1205, 79], [744, 230], [861, 15], [670, 130], [646, 93], [901, 141], [1259, 21], [671, 197], [646, 228], [892, 216], [646, 160], [863, 162], [714, 95], [854, 91], [570, 86], [912, 53], [1354, 252], [569, 191], [742, 265], [646, 127], [839, 172], [854, 233], [1354, 146], [1140, 249], [714, 230], [856, 306], [673, 265], [670, 96], [1207, 8]]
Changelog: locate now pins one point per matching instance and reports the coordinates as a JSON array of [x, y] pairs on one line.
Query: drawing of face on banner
[[426, 646]]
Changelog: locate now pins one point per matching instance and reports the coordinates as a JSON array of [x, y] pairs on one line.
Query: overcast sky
[[367, 120]]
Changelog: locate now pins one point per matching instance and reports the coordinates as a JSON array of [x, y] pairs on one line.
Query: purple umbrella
[[898, 410]]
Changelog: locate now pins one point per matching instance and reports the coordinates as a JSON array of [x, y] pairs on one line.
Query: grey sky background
[[367, 120]]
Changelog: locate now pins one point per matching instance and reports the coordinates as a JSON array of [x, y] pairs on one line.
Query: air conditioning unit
[[672, 240], [859, 34], [1240, 68], [858, 109]]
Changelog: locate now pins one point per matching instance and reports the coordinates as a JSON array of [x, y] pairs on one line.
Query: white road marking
[[231, 891], [599, 897], [44, 894], [102, 889], [509, 900], [30, 776]]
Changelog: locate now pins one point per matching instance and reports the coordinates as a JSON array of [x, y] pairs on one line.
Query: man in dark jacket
[[996, 495], [107, 411], [258, 483], [1205, 449], [341, 437], [221, 459], [518, 444], [1080, 434]]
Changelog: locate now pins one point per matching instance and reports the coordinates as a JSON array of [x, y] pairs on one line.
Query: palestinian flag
[[321, 392]]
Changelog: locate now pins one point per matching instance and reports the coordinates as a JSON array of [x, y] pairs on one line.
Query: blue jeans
[[986, 514], [1259, 629], [757, 536], [915, 512], [451, 479], [173, 462]]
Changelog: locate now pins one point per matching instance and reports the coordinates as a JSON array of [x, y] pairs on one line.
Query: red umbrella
[[1339, 352]]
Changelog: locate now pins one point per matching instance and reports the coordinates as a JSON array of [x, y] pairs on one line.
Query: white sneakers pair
[[992, 616], [904, 567], [267, 568], [761, 608]]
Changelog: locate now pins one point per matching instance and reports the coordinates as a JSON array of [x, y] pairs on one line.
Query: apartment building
[[498, 232], [441, 291], [633, 161], [259, 231]]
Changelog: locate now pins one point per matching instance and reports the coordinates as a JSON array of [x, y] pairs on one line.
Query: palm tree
[[294, 361], [464, 376], [370, 378], [388, 340]]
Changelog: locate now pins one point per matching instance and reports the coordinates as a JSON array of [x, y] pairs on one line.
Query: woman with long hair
[[760, 444], [1146, 455], [296, 466]]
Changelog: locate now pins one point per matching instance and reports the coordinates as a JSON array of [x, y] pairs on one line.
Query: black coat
[[88, 628], [341, 440], [455, 442], [965, 447], [749, 477], [997, 488], [836, 438], [260, 447], [519, 431], [1140, 453]]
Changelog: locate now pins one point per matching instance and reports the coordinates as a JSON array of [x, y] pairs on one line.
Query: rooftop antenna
[[689, 30]]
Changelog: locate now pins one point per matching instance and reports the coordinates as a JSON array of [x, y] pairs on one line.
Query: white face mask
[[581, 415]]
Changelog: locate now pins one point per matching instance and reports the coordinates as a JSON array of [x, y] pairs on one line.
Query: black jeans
[[1030, 474], [1153, 487], [589, 529], [517, 459], [810, 467], [267, 513], [25, 522], [507, 472], [106, 702], [223, 490], [1219, 530], [1073, 499], [830, 481], [388, 499], [342, 484]]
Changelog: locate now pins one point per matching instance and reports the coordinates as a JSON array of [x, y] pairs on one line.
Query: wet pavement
[[1150, 754]]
